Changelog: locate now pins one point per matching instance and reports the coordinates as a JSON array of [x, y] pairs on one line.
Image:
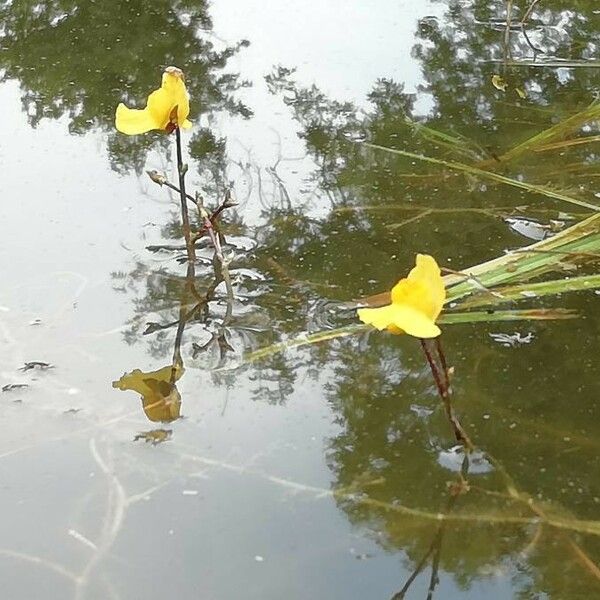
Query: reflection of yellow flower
[[417, 302], [160, 398], [166, 108]]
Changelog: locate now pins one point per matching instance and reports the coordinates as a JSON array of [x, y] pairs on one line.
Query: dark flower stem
[[185, 217], [444, 392], [442, 357]]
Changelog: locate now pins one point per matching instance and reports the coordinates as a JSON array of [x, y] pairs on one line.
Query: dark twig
[[528, 12], [435, 550], [442, 357], [223, 267], [185, 217], [228, 201]]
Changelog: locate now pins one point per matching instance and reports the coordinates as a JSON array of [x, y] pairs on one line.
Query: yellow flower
[[167, 107], [417, 302]]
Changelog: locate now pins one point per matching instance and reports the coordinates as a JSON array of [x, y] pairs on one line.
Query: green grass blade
[[492, 316], [448, 318], [558, 131], [456, 143], [540, 289], [576, 243], [490, 175], [304, 339]]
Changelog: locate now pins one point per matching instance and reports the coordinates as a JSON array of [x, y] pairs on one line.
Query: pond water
[[324, 470]]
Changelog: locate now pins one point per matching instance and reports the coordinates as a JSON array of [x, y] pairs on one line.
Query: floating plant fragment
[[9, 387], [512, 340], [499, 83], [36, 364], [154, 436]]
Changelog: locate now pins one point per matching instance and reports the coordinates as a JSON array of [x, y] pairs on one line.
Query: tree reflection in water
[[395, 470]]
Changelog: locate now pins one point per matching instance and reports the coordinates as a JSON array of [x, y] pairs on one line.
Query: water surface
[[318, 472]]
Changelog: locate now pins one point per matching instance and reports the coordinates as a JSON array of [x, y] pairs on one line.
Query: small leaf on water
[[36, 364], [9, 387], [521, 93], [154, 436], [499, 83]]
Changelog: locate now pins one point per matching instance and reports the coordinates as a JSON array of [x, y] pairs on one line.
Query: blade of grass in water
[[580, 242], [539, 289], [560, 130], [567, 64], [574, 243], [590, 139], [449, 318], [490, 175], [456, 143]]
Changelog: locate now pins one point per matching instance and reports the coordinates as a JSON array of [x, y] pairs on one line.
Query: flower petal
[[423, 289], [161, 103], [169, 103], [174, 88], [400, 317], [133, 122]]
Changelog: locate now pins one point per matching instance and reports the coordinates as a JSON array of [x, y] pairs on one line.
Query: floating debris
[[154, 436], [36, 364], [534, 230], [421, 411], [453, 458], [499, 83], [512, 340], [9, 387]]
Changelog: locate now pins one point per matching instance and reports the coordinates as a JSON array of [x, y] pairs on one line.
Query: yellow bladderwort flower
[[417, 302], [167, 108]]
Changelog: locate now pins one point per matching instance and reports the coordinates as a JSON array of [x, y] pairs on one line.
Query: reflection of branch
[[435, 548], [528, 12], [509, 5]]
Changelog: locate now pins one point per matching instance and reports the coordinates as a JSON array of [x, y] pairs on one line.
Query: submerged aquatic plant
[[416, 302], [167, 108]]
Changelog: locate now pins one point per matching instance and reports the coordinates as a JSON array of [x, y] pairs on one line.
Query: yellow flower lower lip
[[416, 302], [166, 108], [402, 318]]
